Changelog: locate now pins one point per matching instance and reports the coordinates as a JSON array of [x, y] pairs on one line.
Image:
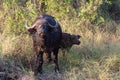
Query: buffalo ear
[[32, 30]]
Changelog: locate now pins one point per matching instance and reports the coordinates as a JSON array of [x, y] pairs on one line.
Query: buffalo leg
[[55, 52], [40, 62], [35, 60]]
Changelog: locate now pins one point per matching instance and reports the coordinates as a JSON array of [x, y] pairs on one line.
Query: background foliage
[[97, 21]]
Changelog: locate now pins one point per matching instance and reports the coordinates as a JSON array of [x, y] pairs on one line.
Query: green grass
[[96, 58]]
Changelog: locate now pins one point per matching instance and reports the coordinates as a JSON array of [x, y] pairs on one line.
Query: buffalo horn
[[56, 24], [27, 27]]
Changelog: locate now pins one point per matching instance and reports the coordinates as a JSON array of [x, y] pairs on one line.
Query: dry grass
[[97, 58]]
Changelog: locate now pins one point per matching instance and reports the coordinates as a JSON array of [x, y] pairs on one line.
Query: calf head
[[75, 39]]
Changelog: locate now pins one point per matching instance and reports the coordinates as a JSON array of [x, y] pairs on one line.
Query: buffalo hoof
[[57, 70], [37, 71]]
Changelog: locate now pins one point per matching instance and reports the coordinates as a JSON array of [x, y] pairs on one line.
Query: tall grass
[[96, 58]]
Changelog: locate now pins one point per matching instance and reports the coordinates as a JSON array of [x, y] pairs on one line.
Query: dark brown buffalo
[[46, 34]]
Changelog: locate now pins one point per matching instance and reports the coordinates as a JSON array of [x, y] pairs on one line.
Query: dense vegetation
[[97, 21]]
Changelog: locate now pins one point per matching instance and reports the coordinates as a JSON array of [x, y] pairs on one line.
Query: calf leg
[[55, 52]]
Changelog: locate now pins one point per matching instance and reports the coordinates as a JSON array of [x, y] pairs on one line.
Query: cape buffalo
[[46, 34]]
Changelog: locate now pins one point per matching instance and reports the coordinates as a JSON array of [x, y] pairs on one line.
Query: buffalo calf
[[68, 40]]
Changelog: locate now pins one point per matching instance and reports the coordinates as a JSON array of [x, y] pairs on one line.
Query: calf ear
[[32, 30], [78, 36]]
